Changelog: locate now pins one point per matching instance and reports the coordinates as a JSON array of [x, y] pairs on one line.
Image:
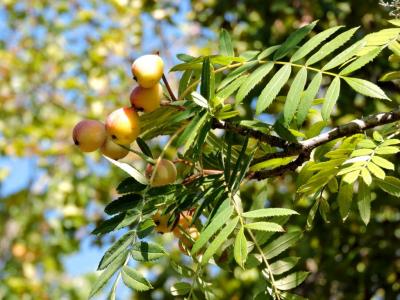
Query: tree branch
[[258, 135], [306, 146], [355, 126]]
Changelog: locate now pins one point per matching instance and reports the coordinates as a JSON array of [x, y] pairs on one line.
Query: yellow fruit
[[19, 250], [148, 70], [123, 125], [185, 221], [113, 150], [165, 173], [161, 222], [89, 135], [147, 99]]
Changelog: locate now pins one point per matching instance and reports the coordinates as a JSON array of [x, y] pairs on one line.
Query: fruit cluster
[[182, 228], [122, 125]]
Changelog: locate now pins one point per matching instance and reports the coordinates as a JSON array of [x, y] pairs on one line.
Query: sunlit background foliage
[[64, 60]]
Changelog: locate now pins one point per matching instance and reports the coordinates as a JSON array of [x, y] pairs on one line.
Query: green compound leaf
[[265, 226], [294, 96], [307, 98], [273, 87], [281, 244], [291, 281], [218, 221], [240, 248], [219, 240], [107, 274], [116, 250], [144, 251], [366, 88], [293, 39], [390, 185], [331, 46], [225, 44], [252, 80], [134, 280], [331, 98], [313, 43], [269, 212]]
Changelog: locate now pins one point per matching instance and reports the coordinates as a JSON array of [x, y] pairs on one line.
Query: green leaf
[[219, 240], [107, 274], [307, 98], [361, 152], [377, 136], [366, 88], [344, 199], [265, 226], [312, 213], [272, 163], [130, 170], [331, 46], [240, 248], [218, 221], [272, 89], [364, 202], [255, 77], [267, 52], [185, 81], [122, 204], [344, 56], [391, 142], [281, 244], [332, 95], [291, 281], [191, 131], [294, 95], [390, 185], [237, 72], [293, 39], [225, 44], [144, 251], [382, 162], [205, 86], [366, 176], [180, 289], [351, 177], [231, 87], [200, 100], [366, 144], [313, 43], [184, 57], [145, 227], [130, 185], [182, 269], [116, 250], [117, 222], [144, 147], [387, 150], [390, 76], [135, 280], [283, 265], [361, 61], [315, 129], [377, 171], [234, 178], [269, 212]]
